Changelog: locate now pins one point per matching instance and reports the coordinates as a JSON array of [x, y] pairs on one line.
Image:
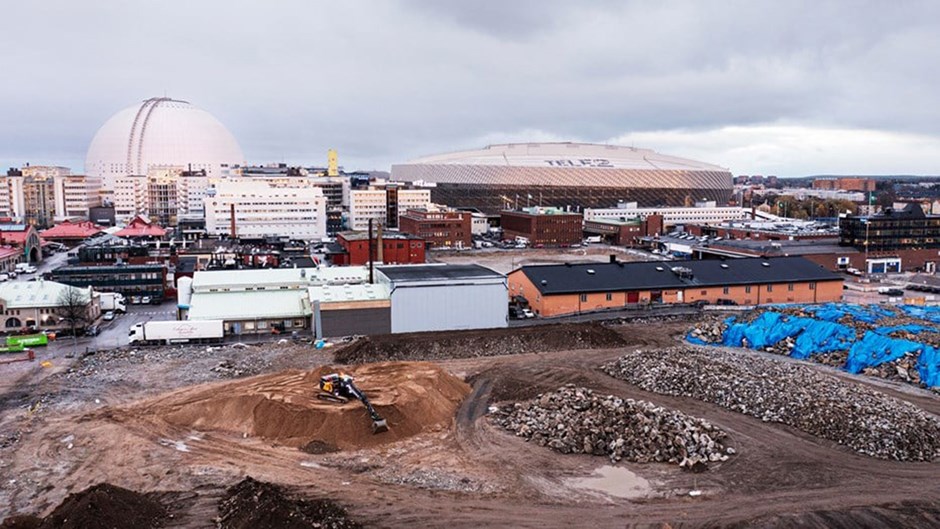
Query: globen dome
[[161, 132]]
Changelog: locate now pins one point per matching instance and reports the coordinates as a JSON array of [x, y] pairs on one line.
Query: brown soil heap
[[105, 506], [254, 504], [283, 407], [477, 343]]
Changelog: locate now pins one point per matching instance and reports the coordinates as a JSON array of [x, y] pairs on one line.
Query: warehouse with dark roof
[[556, 290]]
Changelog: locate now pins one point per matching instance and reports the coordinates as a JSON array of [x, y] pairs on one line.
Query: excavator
[[339, 387]]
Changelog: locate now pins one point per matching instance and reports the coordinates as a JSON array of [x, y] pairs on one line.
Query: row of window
[[726, 290]]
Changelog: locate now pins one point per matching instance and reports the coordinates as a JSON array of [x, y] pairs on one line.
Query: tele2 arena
[[575, 175]]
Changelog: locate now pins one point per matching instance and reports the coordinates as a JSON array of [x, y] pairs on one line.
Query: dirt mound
[[476, 343], [254, 504], [283, 407], [21, 521], [898, 516], [105, 506]]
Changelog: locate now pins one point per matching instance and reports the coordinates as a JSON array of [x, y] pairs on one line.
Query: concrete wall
[[449, 307]]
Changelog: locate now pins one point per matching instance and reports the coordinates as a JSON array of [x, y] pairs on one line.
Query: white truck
[[113, 301], [172, 331], [25, 268]]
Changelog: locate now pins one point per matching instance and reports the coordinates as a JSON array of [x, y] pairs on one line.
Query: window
[[610, 296], [583, 298], [704, 292], [770, 288], [812, 286], [747, 289], [790, 287], [724, 290]]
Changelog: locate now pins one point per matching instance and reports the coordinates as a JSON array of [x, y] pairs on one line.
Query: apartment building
[[384, 205], [75, 195], [265, 211]]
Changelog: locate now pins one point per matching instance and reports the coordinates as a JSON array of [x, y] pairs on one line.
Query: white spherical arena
[[161, 132]]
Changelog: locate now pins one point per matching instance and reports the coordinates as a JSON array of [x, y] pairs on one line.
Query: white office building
[[702, 213], [262, 210]]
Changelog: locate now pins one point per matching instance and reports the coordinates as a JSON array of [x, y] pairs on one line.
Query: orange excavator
[[339, 387]]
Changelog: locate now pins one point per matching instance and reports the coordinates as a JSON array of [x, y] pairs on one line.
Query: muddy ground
[[65, 432]]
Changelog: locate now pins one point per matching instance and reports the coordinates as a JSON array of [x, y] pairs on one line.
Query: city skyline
[[759, 88]]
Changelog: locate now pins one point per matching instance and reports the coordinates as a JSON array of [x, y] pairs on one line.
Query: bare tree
[[73, 308]]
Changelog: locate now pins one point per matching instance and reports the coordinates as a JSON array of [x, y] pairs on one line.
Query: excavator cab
[[339, 387]]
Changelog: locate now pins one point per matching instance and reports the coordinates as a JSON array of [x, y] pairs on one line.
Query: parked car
[[528, 313], [91, 330], [108, 316], [892, 292], [145, 300], [4, 277]]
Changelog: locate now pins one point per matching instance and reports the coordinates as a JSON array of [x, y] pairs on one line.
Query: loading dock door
[[633, 297]]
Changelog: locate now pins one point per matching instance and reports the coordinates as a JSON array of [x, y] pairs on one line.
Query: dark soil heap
[[253, 504], [477, 343], [105, 506]]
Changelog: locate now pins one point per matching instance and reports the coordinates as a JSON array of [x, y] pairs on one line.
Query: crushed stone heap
[[865, 420], [576, 420]]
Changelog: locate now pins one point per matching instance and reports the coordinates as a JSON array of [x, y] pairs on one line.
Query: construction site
[[620, 424]]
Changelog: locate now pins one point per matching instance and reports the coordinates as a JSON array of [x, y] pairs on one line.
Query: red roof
[[7, 251], [14, 234], [72, 230], [141, 227]]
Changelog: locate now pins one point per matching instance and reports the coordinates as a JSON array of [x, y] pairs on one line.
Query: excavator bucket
[[379, 426]]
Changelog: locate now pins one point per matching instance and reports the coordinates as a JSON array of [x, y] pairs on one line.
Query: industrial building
[[342, 301], [558, 290], [441, 297], [578, 175], [624, 232], [387, 248], [542, 226]]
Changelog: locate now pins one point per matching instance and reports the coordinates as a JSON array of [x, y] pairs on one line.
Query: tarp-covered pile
[[830, 329]]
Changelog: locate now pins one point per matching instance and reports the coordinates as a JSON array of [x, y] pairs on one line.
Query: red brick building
[[543, 226], [624, 232], [440, 229], [396, 248]]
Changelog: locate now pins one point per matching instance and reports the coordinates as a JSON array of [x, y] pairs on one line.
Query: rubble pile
[[861, 418], [896, 345], [574, 420]]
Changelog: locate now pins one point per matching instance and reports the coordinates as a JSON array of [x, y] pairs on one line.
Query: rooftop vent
[[765, 263], [544, 281], [659, 269], [590, 271], [723, 265]]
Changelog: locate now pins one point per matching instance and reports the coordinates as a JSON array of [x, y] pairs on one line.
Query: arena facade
[[575, 175]]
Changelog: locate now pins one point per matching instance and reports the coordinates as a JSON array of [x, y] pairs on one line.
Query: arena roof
[[570, 155]]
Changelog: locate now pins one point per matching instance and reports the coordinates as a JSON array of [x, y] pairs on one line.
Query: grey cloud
[[384, 82]]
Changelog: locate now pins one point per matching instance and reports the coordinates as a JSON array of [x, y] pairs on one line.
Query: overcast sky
[[778, 87]]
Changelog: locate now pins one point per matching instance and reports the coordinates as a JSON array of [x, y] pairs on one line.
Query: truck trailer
[[113, 301], [167, 332]]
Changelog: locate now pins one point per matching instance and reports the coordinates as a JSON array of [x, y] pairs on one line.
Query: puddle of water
[[613, 481]]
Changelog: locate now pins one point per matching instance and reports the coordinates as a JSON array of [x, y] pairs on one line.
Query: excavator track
[[332, 398]]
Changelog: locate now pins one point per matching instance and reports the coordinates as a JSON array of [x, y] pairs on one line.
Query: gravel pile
[[574, 420], [863, 419], [252, 504]]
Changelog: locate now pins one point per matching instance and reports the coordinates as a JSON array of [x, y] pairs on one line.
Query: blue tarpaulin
[[836, 311], [875, 349], [823, 334]]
